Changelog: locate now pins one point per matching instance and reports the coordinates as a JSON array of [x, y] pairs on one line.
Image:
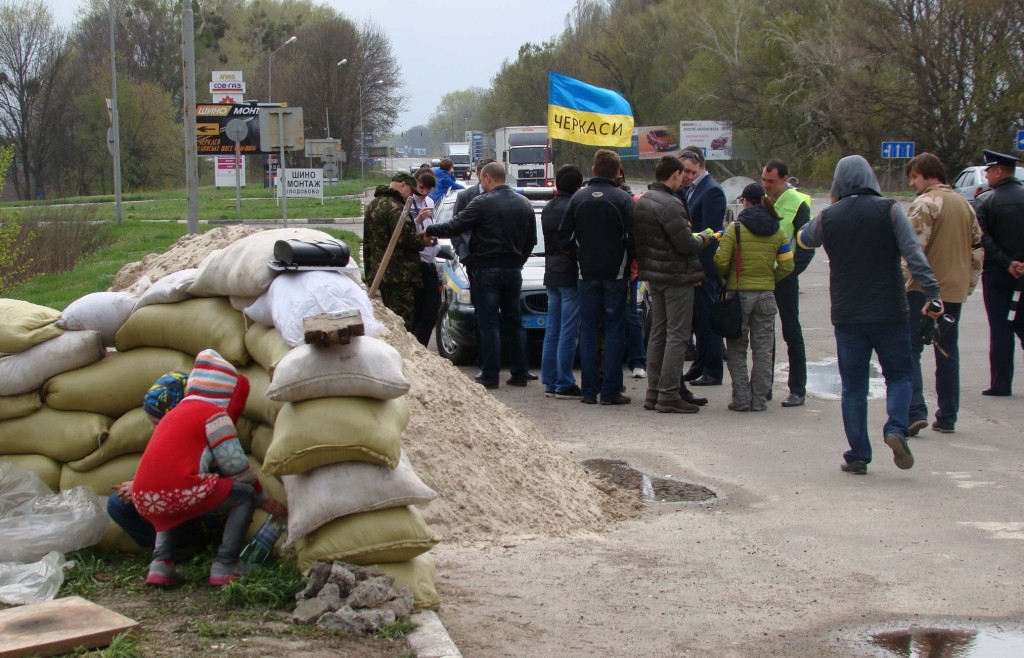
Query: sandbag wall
[[326, 421]]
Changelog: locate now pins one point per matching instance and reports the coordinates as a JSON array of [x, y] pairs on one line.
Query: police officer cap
[[993, 158], [405, 177]]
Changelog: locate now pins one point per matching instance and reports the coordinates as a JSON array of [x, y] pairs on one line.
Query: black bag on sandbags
[[308, 253]]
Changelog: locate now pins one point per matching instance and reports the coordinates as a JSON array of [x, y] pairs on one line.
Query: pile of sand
[[497, 477]]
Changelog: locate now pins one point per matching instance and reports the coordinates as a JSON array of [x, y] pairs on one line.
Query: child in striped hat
[[174, 482]]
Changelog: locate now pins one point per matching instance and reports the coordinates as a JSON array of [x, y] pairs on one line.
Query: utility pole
[[188, 72], [114, 121]]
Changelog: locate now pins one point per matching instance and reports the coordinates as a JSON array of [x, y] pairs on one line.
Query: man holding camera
[[947, 228]]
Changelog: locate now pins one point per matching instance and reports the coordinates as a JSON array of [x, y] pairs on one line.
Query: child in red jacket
[[175, 482]]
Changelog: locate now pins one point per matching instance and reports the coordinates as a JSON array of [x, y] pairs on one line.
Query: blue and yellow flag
[[585, 114]]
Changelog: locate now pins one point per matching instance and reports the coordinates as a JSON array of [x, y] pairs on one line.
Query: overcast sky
[[441, 46]]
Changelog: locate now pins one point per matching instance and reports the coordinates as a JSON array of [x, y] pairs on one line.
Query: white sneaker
[[639, 373]]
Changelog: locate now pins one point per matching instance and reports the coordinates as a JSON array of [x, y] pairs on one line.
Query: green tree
[[12, 244]]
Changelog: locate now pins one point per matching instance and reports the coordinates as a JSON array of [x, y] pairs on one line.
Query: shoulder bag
[[727, 312]]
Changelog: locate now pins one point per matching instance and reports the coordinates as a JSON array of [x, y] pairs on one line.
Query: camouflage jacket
[[378, 224]]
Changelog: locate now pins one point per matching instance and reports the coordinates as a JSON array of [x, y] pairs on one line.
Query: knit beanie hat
[[164, 395], [212, 379]]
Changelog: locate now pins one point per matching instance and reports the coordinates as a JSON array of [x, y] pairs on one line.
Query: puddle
[[823, 379], [951, 643], [651, 488]]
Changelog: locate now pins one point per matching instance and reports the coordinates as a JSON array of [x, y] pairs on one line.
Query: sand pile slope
[[498, 478]]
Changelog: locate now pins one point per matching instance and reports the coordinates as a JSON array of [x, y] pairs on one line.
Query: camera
[[932, 330]]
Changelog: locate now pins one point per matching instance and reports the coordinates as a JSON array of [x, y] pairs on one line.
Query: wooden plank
[[59, 626]]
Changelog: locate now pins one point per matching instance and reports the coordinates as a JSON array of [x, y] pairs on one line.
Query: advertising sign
[[211, 123], [224, 171], [713, 137], [303, 184]]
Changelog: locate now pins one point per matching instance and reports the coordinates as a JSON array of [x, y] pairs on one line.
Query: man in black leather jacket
[[503, 232], [1001, 217]]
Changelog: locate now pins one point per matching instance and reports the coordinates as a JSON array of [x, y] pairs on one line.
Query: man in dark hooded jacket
[[865, 236]]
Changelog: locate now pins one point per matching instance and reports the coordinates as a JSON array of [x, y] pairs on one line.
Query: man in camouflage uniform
[[402, 276]]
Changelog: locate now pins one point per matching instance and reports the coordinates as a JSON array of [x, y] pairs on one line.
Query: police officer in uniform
[[1001, 216]]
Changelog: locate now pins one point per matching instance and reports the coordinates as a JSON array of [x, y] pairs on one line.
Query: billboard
[[650, 143], [712, 137], [211, 122]]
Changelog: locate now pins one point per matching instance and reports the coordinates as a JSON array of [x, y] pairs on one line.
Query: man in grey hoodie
[[865, 236]]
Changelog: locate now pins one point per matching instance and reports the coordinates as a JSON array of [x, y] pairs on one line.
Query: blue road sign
[[897, 150], [1020, 140]]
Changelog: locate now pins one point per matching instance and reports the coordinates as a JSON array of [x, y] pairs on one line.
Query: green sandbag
[[273, 488], [396, 534], [318, 432], [418, 574], [129, 433], [47, 469], [115, 385], [243, 430], [18, 406], [101, 479], [262, 437], [116, 540], [190, 326], [25, 325], [266, 345], [60, 435], [258, 406]]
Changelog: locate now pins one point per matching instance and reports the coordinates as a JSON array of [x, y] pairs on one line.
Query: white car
[[971, 182]]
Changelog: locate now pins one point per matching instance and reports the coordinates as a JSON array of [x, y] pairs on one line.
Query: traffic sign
[[1020, 140], [897, 150]]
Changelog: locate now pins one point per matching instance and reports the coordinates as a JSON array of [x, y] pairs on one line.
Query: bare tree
[[33, 101]]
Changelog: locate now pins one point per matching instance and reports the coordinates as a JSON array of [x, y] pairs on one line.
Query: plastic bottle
[[262, 544]]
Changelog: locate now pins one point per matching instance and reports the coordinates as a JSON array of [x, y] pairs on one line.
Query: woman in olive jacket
[[765, 256]]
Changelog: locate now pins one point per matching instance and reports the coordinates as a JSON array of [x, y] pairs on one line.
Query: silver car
[[971, 182]]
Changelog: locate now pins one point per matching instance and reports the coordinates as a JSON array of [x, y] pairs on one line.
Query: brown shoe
[[676, 407], [618, 398], [650, 401]]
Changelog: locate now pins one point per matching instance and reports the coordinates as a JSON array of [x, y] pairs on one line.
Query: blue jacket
[[444, 183]]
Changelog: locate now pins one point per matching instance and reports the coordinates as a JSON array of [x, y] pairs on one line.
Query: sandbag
[[240, 303], [262, 437], [190, 326], [101, 479], [241, 267], [243, 430], [171, 289], [390, 535], [60, 435], [47, 469], [272, 487], [17, 406], [266, 345], [115, 385], [104, 312], [29, 370], [26, 324], [330, 430], [129, 434], [258, 406], [418, 574], [366, 367], [330, 492], [116, 540], [297, 295]]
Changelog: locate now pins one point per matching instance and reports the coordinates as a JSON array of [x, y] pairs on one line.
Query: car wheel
[[447, 346]]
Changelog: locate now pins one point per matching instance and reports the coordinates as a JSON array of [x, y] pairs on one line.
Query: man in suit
[[705, 201]]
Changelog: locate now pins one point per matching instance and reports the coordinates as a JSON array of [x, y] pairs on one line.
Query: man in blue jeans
[[503, 231], [865, 236], [598, 230], [561, 334]]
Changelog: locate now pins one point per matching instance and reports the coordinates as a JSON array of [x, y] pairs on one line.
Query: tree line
[[54, 82], [805, 80]]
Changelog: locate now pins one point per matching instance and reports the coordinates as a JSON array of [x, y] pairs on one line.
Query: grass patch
[[399, 629], [125, 645], [273, 586]]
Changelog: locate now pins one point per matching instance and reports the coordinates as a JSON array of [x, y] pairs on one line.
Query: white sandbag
[[29, 370], [366, 367], [104, 312], [26, 324], [330, 492], [241, 267], [170, 289], [240, 302], [297, 295]]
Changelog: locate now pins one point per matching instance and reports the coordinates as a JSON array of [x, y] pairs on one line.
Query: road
[[794, 558]]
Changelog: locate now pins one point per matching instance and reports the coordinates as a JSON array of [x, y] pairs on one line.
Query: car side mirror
[[446, 252]]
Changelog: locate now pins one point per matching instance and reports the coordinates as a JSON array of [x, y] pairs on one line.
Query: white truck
[[526, 153], [459, 154]]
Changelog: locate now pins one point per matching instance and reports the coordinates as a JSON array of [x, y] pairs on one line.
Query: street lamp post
[[362, 137], [327, 113], [270, 69]]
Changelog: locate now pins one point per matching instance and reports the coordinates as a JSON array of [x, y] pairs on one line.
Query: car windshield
[[444, 211], [660, 133], [527, 155]]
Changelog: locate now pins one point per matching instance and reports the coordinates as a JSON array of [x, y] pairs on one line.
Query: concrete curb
[[341, 221], [431, 639]]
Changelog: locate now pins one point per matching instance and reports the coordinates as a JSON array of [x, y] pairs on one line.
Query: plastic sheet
[[35, 582], [34, 521]]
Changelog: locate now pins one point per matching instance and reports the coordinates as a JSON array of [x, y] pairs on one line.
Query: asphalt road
[[795, 558]]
